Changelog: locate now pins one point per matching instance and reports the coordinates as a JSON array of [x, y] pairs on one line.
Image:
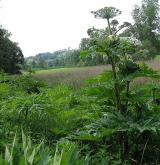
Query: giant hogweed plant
[[132, 115], [119, 52]]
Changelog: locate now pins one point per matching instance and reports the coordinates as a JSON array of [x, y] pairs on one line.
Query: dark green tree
[[84, 45], [11, 56], [147, 24]]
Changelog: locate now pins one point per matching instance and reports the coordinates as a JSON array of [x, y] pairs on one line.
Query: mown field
[[75, 77]]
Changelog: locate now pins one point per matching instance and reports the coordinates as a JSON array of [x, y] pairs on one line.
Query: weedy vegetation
[[90, 125], [114, 119]]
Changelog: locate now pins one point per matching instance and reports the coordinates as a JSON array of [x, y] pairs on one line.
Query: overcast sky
[[49, 25]]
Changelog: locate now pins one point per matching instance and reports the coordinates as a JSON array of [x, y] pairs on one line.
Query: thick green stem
[[127, 96], [116, 85], [110, 31]]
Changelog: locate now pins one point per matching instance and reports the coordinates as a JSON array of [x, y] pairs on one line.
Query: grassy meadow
[[75, 77]]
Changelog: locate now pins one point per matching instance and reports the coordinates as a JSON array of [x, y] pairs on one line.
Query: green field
[[74, 77], [55, 70]]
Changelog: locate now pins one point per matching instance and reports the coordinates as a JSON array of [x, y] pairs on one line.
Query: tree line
[[145, 32], [60, 58]]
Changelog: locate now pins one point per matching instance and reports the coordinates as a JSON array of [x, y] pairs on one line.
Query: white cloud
[[48, 25]]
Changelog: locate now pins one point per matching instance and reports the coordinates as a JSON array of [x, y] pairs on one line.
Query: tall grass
[[155, 65], [75, 77]]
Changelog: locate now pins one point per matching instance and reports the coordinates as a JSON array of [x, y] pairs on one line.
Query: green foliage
[[67, 154], [125, 118], [128, 67], [87, 117], [61, 58], [28, 83], [11, 56], [91, 48], [26, 153], [83, 54], [146, 24]]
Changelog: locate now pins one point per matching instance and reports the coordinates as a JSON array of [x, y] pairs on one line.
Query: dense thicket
[[11, 56]]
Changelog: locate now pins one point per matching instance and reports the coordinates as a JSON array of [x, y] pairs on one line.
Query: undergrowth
[[86, 117]]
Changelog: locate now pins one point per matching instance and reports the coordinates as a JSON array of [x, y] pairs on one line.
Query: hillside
[[66, 57]]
